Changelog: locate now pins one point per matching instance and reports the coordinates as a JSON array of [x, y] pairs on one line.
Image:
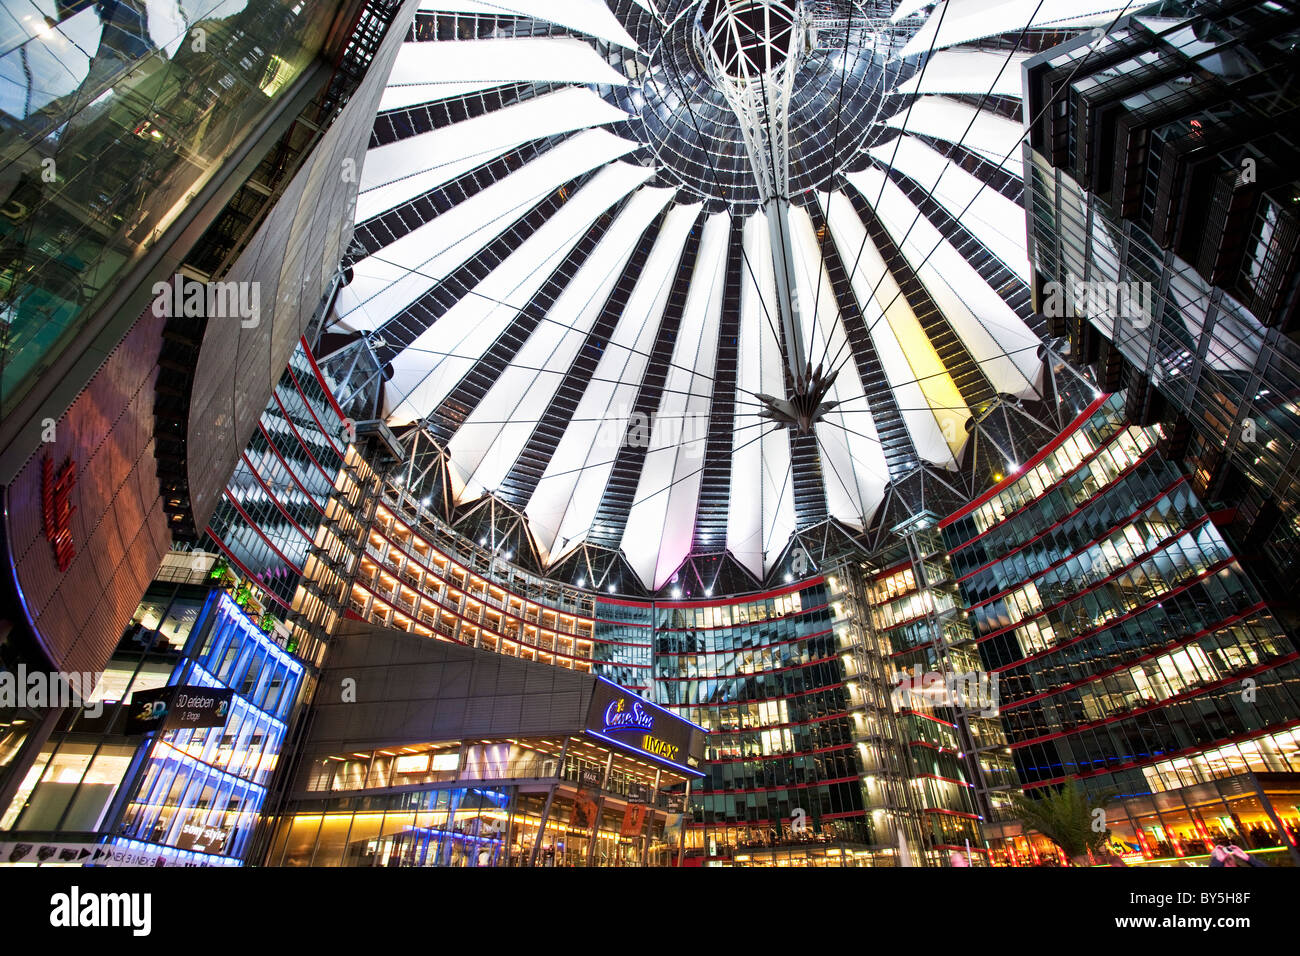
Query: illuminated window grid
[[404, 581]]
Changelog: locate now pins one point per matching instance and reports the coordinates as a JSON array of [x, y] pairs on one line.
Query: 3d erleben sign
[[167, 708]]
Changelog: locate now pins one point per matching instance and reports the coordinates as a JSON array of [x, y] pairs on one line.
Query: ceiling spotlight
[[708, 592], [426, 501], [677, 592], [582, 582], [482, 540], [611, 589], [788, 577]]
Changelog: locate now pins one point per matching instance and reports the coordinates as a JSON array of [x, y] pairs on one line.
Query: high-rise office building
[[1162, 200], [1132, 651]]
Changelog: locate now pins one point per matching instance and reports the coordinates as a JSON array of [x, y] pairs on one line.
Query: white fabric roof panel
[[661, 521], [1005, 348], [591, 17], [994, 137], [964, 70], [853, 459], [994, 219], [927, 398], [961, 21], [398, 172], [429, 71], [564, 503], [386, 283], [487, 445], [429, 369], [760, 507]]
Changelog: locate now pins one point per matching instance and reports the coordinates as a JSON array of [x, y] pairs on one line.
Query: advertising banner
[[167, 708]]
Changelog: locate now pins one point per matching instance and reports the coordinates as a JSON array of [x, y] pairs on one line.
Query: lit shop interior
[[545, 802]]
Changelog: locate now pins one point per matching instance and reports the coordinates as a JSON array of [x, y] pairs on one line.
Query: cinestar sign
[[620, 717]]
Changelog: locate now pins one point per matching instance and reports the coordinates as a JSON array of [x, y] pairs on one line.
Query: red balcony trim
[[843, 715], [763, 727], [1108, 579], [1050, 447], [1235, 738], [907, 711], [724, 627], [1083, 463], [755, 647], [1211, 570], [1079, 510], [751, 824], [913, 620], [311, 411], [901, 566], [1158, 652], [1147, 506], [745, 598], [935, 776], [247, 573], [1159, 705], [298, 435], [276, 451], [274, 499], [329, 393], [738, 674], [720, 602], [798, 753], [260, 533], [776, 787], [951, 813]]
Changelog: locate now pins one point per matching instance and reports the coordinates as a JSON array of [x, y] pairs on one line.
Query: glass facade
[[949, 770], [1166, 168], [113, 118], [267, 520], [192, 795], [769, 678], [1132, 650], [564, 801]]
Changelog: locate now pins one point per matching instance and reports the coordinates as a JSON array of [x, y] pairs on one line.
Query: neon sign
[[57, 509], [619, 717]]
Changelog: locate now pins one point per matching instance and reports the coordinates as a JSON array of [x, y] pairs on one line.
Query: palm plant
[[1066, 817]]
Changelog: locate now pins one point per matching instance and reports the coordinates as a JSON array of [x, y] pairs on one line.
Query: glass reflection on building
[[113, 116], [1134, 653]]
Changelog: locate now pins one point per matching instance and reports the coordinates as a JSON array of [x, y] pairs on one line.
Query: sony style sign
[[633, 723]]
